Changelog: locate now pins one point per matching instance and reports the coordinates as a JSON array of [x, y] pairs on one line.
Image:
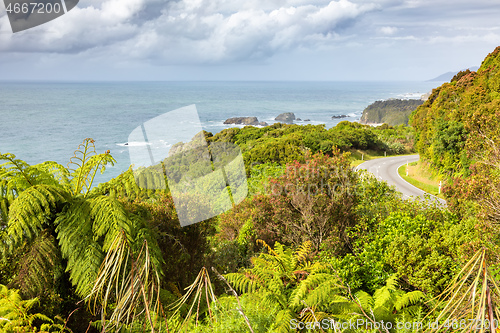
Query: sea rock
[[298, 119], [339, 117], [242, 121], [263, 123], [287, 118], [307, 119]]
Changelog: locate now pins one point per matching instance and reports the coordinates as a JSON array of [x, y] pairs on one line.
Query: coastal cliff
[[392, 112]]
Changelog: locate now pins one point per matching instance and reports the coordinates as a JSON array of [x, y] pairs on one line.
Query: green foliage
[[281, 143], [53, 217], [260, 174], [314, 201], [388, 304], [282, 279], [16, 316], [457, 130]]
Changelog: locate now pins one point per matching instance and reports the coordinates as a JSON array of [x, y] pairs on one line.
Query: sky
[[303, 40]]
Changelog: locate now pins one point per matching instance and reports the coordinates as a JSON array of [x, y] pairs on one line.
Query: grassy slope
[[420, 176]]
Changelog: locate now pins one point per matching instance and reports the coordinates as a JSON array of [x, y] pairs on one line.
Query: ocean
[[42, 121]]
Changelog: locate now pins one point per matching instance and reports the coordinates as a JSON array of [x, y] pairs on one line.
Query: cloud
[[189, 31], [388, 30], [227, 38]]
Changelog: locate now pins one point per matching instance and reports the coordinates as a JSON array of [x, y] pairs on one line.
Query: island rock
[[242, 121], [287, 118]]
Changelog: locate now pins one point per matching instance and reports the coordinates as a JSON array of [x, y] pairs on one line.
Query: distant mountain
[[446, 77]]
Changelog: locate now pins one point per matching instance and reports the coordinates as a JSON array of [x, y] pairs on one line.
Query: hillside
[[458, 131], [392, 112]]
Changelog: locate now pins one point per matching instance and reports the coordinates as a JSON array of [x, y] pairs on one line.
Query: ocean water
[[43, 121]]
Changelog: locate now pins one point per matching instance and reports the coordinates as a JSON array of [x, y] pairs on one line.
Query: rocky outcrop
[[287, 118], [392, 112], [339, 117], [243, 121]]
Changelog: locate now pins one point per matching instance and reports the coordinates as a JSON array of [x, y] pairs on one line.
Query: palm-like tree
[[53, 215]]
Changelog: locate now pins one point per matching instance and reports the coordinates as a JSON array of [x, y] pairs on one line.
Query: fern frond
[[269, 249], [302, 252], [282, 321], [84, 255], [15, 167], [58, 173], [316, 290], [409, 299], [243, 282], [365, 300], [33, 209], [341, 307], [84, 165], [36, 266], [110, 218]]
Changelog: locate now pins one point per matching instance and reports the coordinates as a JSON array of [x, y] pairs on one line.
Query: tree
[[52, 213], [314, 201]]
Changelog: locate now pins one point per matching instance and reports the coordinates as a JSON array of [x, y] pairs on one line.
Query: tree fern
[[286, 281], [102, 242]]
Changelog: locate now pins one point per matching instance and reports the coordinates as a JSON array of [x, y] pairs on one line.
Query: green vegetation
[[315, 245], [392, 112]]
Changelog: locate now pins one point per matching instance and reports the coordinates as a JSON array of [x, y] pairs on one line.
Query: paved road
[[387, 169]]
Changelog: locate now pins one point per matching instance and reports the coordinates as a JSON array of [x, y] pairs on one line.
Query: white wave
[[414, 95], [134, 144]]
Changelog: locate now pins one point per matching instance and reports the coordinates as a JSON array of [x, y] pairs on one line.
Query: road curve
[[387, 169]]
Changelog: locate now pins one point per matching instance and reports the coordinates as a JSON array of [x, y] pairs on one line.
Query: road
[[387, 169]]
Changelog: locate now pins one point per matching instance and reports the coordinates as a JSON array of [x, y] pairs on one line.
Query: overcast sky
[[253, 40]]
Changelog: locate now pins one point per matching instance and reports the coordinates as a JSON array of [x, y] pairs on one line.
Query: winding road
[[387, 169]]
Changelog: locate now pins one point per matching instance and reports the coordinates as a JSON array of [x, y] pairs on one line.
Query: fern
[[104, 245], [33, 210], [37, 266], [283, 279], [15, 314], [84, 165], [388, 303]]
